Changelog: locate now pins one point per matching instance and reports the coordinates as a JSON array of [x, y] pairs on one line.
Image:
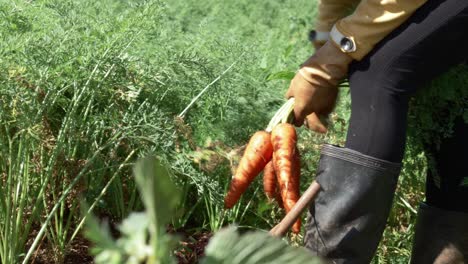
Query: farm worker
[[387, 49]]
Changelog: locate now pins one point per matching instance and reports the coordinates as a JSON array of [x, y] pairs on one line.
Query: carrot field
[[122, 121]]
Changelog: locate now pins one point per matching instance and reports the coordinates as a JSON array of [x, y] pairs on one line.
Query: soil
[[77, 254], [190, 249]]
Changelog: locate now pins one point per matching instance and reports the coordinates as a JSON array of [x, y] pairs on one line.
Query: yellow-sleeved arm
[[330, 11], [373, 20]]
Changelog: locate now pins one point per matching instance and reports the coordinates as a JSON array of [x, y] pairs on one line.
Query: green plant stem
[[282, 115], [184, 112], [101, 194], [62, 197]]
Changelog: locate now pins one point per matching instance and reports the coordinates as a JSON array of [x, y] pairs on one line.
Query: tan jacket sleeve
[[373, 20], [330, 11]]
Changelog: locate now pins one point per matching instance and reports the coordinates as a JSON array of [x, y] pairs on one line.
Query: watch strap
[[319, 36], [346, 43]]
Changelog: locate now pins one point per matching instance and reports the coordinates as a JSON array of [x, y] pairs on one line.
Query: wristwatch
[[346, 44]]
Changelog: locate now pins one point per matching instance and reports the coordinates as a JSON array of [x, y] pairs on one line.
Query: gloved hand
[[315, 85]]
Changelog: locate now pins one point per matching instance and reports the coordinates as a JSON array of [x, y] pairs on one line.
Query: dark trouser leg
[[447, 178], [441, 236], [442, 225], [348, 218], [433, 40]]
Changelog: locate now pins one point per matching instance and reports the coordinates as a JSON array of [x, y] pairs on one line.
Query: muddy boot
[[347, 220], [441, 237]]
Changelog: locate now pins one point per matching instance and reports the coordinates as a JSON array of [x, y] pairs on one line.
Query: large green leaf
[[134, 230], [159, 194], [142, 235], [160, 197], [228, 247], [104, 247]]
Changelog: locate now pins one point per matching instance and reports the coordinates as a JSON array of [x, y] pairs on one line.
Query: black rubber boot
[[347, 220], [441, 237]]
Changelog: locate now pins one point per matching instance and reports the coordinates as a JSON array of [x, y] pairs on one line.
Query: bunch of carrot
[[277, 155]]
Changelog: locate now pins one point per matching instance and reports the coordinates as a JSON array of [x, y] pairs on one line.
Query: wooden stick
[[309, 195]]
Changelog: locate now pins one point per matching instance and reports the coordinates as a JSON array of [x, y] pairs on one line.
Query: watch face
[[347, 44]]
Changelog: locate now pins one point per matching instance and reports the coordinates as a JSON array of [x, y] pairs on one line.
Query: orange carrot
[[295, 181], [286, 161], [269, 181], [270, 184], [278, 198], [257, 154]]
